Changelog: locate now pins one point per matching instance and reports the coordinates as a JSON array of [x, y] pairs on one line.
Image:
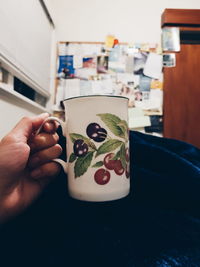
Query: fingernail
[[36, 174]]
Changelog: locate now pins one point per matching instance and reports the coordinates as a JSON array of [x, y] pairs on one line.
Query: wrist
[[7, 210]]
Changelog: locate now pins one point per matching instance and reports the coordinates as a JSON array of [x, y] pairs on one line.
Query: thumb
[[26, 126]]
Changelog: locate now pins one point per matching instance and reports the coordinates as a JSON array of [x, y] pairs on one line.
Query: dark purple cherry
[[95, 132], [100, 135], [92, 129], [80, 148]]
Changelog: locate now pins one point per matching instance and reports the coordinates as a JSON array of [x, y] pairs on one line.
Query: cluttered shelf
[[131, 70]]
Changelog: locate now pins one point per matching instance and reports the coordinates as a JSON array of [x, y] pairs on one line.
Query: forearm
[[9, 206]]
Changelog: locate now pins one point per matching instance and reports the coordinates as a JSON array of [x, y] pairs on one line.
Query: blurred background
[[149, 51]]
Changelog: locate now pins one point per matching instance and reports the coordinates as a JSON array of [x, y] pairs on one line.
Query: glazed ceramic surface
[[97, 147]]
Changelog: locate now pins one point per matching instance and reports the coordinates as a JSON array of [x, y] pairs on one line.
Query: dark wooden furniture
[[182, 82]]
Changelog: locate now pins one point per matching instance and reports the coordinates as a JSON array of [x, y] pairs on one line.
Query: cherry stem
[[108, 137]]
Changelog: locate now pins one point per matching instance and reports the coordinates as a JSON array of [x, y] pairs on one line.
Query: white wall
[[128, 20], [25, 42], [27, 38], [12, 109]]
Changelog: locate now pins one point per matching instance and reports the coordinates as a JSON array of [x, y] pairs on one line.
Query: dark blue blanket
[[158, 224]]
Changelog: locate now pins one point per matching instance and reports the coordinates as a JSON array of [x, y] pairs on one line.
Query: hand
[[26, 165]]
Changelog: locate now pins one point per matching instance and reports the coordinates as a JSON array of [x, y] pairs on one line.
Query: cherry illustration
[[119, 170], [80, 148], [127, 171], [92, 128], [101, 135], [102, 176], [108, 162], [95, 132], [127, 155]]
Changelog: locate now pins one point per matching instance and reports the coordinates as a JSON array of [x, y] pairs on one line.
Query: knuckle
[[40, 139], [44, 156], [50, 123], [45, 140], [58, 149], [56, 137], [26, 119], [51, 169], [10, 138], [47, 127], [50, 154]]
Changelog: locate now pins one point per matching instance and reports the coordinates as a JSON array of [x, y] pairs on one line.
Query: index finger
[[26, 127], [50, 127]]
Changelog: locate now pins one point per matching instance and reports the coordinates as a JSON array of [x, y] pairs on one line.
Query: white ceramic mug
[[96, 128]]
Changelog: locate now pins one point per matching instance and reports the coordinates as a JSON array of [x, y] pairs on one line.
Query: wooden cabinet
[[182, 82]]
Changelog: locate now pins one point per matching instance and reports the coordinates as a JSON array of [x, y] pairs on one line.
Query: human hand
[[26, 165]]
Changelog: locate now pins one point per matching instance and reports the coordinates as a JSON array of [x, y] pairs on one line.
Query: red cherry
[[119, 170], [127, 171], [102, 176], [108, 162], [127, 155]]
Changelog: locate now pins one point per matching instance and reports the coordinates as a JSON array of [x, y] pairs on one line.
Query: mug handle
[[63, 126]]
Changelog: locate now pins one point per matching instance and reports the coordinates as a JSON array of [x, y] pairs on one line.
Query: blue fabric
[[157, 225]]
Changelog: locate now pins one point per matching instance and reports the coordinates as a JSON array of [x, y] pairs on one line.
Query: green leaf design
[[124, 126], [108, 146], [72, 158], [112, 122], [123, 155], [82, 164], [90, 144], [116, 156], [98, 164], [75, 136]]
